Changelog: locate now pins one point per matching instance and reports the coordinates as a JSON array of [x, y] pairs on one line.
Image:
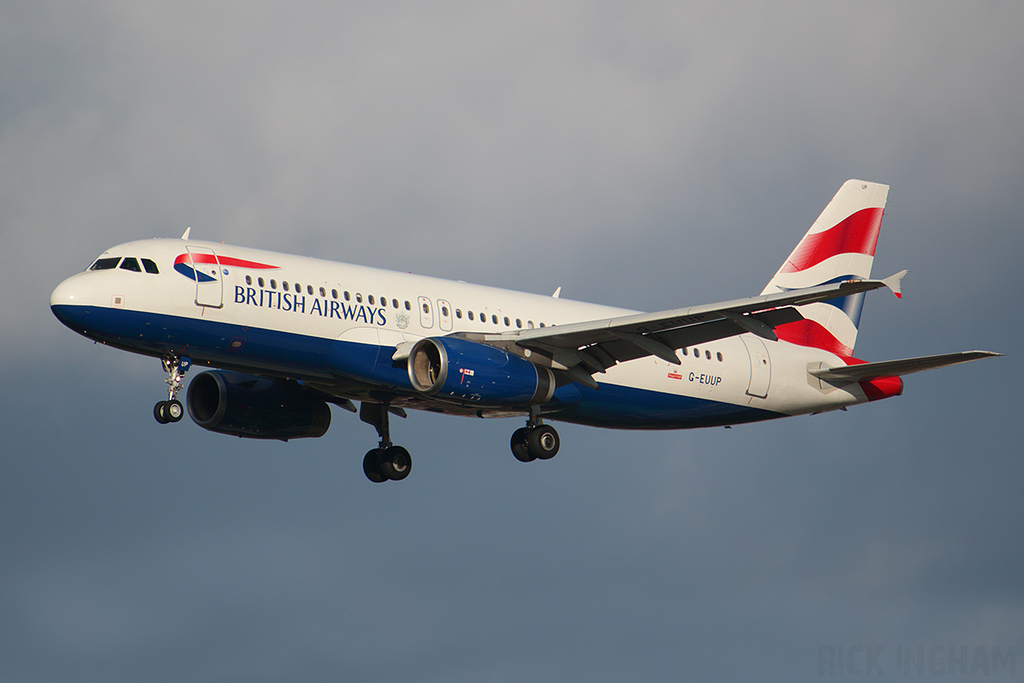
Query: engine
[[255, 407], [478, 374]]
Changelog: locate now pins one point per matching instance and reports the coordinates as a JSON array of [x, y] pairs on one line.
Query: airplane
[[287, 336]]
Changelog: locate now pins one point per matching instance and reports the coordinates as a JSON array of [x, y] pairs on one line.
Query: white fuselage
[[277, 314]]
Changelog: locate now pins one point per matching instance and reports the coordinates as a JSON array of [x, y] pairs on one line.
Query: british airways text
[[299, 303]]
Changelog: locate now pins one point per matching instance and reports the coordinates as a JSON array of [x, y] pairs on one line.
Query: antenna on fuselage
[[557, 292], [184, 235]]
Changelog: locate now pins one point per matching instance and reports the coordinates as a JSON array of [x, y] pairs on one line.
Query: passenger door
[[426, 313], [444, 310], [760, 366], [209, 279]]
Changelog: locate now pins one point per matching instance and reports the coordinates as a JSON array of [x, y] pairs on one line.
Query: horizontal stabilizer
[[895, 368]]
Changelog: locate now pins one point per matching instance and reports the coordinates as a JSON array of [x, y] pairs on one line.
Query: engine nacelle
[[255, 407], [477, 374]]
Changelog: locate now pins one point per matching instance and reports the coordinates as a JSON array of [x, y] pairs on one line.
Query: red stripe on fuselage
[[222, 260], [857, 234], [882, 387], [878, 388]]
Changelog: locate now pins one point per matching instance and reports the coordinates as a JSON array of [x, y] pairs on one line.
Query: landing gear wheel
[[371, 467], [160, 412], [543, 442], [387, 461], [396, 463], [173, 410], [520, 448]]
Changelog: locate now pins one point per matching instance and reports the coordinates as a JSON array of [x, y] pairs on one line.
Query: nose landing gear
[[171, 410]]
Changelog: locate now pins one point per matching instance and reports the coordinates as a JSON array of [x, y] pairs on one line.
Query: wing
[[581, 349], [894, 368]]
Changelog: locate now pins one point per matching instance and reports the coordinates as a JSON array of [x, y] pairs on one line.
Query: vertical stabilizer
[[839, 246]]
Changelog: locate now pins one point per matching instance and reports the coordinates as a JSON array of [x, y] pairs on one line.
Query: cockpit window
[[150, 266], [131, 264], [105, 263]]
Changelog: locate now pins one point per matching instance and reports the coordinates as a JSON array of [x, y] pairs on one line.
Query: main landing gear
[[171, 410], [387, 462], [535, 441]]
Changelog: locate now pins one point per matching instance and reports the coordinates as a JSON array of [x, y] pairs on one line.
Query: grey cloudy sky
[[647, 155]]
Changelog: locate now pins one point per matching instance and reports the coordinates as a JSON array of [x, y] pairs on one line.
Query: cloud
[[648, 157]]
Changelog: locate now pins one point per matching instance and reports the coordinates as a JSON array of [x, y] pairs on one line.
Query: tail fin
[[839, 246]]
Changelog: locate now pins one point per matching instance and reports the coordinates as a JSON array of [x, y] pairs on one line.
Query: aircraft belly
[[622, 407], [643, 394], [650, 393], [206, 342]]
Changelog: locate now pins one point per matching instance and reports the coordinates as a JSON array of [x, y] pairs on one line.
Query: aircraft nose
[[75, 291], [70, 299]]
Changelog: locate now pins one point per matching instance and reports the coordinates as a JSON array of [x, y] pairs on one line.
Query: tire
[[543, 442], [160, 412], [396, 463], [174, 411], [371, 467], [520, 448]]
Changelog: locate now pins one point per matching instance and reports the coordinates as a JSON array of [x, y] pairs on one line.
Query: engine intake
[[478, 374], [255, 407]]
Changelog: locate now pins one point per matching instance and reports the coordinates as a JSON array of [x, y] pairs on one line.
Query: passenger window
[[426, 308], [150, 266], [323, 292], [105, 263], [508, 322], [394, 304], [519, 323], [284, 286], [260, 281], [273, 284], [458, 313], [334, 294], [309, 290], [719, 356], [348, 297], [131, 264], [707, 354], [359, 298], [469, 314], [408, 306], [369, 299], [248, 279], [542, 324], [444, 311]]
